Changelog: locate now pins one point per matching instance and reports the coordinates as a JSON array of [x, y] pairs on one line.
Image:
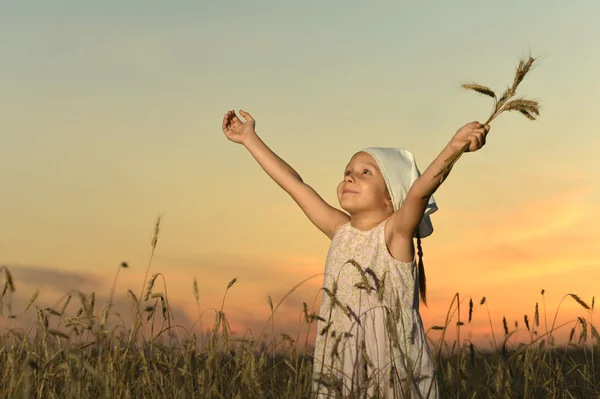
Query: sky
[[110, 116]]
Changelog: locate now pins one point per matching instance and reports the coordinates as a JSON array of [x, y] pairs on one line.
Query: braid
[[421, 275]]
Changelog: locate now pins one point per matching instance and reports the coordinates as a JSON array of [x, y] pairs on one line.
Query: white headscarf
[[400, 171]]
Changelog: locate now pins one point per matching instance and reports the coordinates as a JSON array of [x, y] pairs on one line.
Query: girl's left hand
[[473, 133]]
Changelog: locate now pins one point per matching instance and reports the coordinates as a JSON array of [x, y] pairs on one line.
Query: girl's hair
[[421, 274]]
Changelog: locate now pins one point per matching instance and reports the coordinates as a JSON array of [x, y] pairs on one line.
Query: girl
[[370, 337]]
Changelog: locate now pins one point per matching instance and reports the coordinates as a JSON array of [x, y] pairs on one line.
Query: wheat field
[[76, 350]]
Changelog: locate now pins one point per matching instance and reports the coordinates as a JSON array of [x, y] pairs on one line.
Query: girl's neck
[[368, 221]]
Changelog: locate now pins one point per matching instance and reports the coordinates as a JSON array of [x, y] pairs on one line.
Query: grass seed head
[[529, 108], [522, 70], [579, 301], [9, 280], [479, 89], [196, 294], [470, 309], [232, 282], [150, 285], [154, 241]]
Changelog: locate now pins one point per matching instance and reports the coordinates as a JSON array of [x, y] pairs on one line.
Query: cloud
[[538, 237], [536, 217], [52, 278]]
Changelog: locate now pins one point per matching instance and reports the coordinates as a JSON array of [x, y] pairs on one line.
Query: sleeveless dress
[[370, 337]]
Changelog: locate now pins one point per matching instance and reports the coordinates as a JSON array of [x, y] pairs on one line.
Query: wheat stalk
[[528, 108]]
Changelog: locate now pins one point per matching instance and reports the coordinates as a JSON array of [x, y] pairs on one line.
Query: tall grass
[[80, 352]]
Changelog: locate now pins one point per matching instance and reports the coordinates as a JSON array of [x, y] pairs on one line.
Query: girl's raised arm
[[405, 221], [325, 217]]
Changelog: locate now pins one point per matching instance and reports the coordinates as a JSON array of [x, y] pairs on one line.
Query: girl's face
[[363, 187]]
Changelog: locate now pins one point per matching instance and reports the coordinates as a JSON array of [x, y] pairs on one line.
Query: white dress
[[372, 339]]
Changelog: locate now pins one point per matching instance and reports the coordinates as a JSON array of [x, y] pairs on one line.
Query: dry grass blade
[[529, 108], [156, 233], [325, 329], [153, 243], [522, 70], [371, 273], [163, 302], [522, 102], [314, 316], [58, 333], [305, 311], [527, 115], [232, 282], [62, 311], [595, 334], [479, 89], [336, 301], [363, 276], [571, 334], [196, 294], [506, 94], [133, 297], [9, 280], [32, 300], [151, 310], [150, 286], [83, 300], [583, 335], [158, 295], [579, 301], [470, 309], [352, 315], [90, 305], [43, 320], [52, 311], [104, 315]]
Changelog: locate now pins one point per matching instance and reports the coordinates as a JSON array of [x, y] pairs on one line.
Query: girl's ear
[[388, 199]]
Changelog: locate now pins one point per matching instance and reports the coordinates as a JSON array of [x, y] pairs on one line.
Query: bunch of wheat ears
[[529, 108]]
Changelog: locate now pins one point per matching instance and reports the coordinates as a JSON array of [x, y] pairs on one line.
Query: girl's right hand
[[236, 130]]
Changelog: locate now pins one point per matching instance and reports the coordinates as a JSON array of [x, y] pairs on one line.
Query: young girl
[[370, 337]]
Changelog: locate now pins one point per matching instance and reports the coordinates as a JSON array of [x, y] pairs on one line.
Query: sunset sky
[[110, 115]]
